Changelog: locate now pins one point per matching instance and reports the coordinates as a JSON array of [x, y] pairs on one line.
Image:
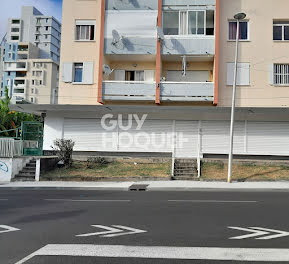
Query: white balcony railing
[[187, 91], [129, 90]]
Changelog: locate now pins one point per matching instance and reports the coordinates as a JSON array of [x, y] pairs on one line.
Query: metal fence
[[10, 148]]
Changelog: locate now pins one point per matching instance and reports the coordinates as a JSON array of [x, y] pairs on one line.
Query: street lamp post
[[238, 17]]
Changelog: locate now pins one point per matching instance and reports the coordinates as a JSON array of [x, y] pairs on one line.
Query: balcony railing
[[187, 91], [129, 91], [188, 45], [131, 45]]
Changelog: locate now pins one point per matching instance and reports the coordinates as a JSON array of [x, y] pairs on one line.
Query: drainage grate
[[138, 187]]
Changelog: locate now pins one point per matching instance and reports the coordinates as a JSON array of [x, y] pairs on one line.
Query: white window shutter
[[67, 72], [243, 74], [88, 72], [119, 75], [149, 75], [271, 74]]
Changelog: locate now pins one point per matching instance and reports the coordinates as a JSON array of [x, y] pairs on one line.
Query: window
[[32, 90], [85, 30], [78, 72], [243, 34], [189, 22], [46, 36], [243, 74], [46, 28], [38, 21], [14, 29], [32, 100], [15, 38], [281, 30], [33, 82], [281, 74], [134, 76], [15, 21], [46, 20]]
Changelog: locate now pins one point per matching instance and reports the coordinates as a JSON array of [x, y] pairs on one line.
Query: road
[[88, 226]]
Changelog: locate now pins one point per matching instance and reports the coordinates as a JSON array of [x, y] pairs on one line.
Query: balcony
[[136, 5], [16, 66], [131, 45], [128, 91], [187, 91], [188, 45]]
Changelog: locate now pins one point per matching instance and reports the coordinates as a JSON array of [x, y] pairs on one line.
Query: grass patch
[[245, 172], [114, 169]]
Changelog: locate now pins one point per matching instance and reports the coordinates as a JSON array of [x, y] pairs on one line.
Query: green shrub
[[64, 149]]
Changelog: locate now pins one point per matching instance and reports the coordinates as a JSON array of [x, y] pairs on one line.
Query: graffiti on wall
[[3, 166]]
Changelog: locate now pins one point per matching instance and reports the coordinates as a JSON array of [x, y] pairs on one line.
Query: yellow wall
[[260, 51], [73, 51]]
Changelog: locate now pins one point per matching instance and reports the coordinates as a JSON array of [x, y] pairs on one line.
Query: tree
[[10, 120]]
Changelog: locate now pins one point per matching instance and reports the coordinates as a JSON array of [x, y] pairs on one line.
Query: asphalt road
[[174, 227]]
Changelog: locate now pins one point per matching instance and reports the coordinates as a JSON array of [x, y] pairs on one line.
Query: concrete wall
[[260, 51], [9, 167]]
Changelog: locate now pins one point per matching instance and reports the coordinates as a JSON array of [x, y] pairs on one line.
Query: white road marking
[[260, 233], [211, 201], [72, 200], [254, 233], [116, 230], [7, 229], [278, 235], [189, 253]]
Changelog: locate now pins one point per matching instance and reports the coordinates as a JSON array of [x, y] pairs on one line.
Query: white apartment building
[[34, 27]]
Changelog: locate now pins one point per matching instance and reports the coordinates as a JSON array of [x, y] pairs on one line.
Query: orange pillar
[[158, 56], [101, 49], [217, 52]]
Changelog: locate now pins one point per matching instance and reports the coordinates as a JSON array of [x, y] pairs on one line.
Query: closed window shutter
[[149, 75], [119, 75], [271, 74], [88, 72], [67, 72], [243, 73]]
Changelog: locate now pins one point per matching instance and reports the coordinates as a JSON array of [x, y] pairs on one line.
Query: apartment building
[[172, 61], [34, 27], [32, 39], [2, 56], [28, 78]]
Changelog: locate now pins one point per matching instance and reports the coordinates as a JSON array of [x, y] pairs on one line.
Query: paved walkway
[[152, 185]]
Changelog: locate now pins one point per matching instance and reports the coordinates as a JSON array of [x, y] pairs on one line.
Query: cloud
[[12, 8]]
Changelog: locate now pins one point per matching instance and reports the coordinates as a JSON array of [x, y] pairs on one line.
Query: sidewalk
[[152, 185]]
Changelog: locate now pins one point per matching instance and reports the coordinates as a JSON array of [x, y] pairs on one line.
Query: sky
[[12, 8]]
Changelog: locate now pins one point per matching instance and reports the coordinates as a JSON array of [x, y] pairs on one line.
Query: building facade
[[172, 61], [33, 39]]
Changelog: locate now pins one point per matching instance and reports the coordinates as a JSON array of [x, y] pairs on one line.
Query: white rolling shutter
[[89, 135], [67, 72], [154, 136], [216, 137], [186, 139], [191, 76], [268, 138], [119, 75], [149, 75], [88, 72]]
